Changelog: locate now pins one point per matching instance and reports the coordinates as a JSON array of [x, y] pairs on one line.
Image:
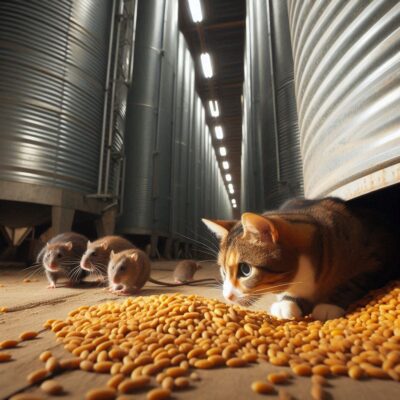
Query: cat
[[319, 256]]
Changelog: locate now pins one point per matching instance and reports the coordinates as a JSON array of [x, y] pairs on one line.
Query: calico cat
[[318, 255]]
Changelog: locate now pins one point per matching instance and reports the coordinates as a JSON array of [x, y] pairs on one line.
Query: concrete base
[[26, 205]]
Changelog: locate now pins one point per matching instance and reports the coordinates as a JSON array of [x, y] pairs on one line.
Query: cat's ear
[[254, 224], [112, 254], [68, 246], [220, 227]]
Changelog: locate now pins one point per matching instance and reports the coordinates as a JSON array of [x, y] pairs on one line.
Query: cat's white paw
[[285, 309], [323, 312]]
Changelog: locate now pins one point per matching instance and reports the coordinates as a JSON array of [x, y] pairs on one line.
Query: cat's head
[[255, 256]]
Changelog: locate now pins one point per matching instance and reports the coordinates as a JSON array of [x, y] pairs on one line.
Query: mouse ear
[[134, 256], [68, 245]]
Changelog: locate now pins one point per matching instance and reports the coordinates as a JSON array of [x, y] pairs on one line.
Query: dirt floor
[[30, 304]]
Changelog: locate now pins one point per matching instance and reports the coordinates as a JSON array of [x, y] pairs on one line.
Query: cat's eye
[[244, 270], [93, 254], [59, 255]]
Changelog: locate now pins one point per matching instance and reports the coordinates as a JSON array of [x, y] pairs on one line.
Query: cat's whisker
[[199, 243], [205, 252], [209, 241], [267, 290]]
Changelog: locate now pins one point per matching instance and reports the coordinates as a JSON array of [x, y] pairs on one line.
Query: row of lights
[[205, 59]]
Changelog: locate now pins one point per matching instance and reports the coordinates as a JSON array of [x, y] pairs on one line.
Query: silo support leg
[[168, 249], [61, 221], [105, 225], [154, 246]]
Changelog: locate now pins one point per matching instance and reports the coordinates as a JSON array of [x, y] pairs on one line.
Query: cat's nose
[[230, 297]]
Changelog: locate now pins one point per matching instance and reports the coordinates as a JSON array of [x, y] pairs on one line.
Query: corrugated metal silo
[[52, 74], [143, 120], [271, 161], [347, 62]]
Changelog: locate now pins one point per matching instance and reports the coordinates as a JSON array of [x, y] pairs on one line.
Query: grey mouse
[[60, 258]]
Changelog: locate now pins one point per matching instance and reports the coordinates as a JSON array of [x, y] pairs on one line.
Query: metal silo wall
[[347, 63], [170, 182], [164, 138], [271, 160], [290, 162], [142, 122], [52, 73]]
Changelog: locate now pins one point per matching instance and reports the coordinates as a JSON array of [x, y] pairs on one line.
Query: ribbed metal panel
[[162, 173], [142, 120], [347, 63], [271, 161], [52, 73], [171, 174], [290, 162]]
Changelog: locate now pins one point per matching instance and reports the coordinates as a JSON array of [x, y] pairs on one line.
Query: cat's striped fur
[[311, 251]]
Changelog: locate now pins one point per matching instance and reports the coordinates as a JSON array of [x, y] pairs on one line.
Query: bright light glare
[[233, 201], [219, 133], [206, 64], [195, 10], [214, 109], [222, 151], [230, 188], [225, 164], [228, 177]]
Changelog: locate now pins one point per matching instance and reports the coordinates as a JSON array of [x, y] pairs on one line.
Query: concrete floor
[[30, 304]]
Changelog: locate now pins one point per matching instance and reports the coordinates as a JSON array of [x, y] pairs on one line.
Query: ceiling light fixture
[[222, 151], [231, 189], [225, 164], [219, 133], [195, 10], [206, 64], [228, 177], [214, 109]]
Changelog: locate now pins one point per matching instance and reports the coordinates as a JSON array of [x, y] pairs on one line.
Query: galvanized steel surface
[[347, 64], [52, 71], [271, 162], [142, 120], [172, 178]]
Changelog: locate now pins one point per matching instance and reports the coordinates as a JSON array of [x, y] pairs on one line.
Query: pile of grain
[[145, 336]]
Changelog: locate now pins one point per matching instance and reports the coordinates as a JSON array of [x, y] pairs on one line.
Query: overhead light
[[214, 109], [228, 177], [233, 201], [195, 10], [234, 205], [230, 188], [219, 133], [225, 164], [222, 151], [206, 64]]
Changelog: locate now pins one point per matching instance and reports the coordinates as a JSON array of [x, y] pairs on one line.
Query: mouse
[[60, 258], [185, 270], [97, 255], [129, 270]]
